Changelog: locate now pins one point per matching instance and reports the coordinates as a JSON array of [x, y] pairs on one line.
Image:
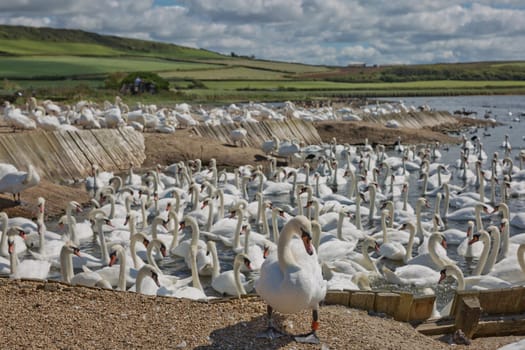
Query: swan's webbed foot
[[270, 333], [309, 338]]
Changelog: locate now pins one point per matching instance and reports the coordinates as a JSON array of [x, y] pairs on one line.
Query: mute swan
[[149, 289], [66, 261], [229, 282], [195, 292], [28, 268], [472, 282], [511, 269], [16, 119], [16, 182], [120, 276], [20, 246], [183, 248], [291, 280], [467, 249]]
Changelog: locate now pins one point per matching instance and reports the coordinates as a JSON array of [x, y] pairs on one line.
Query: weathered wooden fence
[[259, 132], [69, 155], [414, 120]]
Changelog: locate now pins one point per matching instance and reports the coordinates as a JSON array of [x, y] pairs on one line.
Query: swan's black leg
[[271, 332], [311, 338]]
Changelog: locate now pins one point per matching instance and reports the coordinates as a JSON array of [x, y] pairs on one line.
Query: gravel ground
[[53, 315]]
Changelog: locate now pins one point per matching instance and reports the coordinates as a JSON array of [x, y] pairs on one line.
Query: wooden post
[[467, 315]]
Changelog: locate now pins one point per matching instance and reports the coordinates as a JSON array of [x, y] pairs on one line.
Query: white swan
[[291, 280], [16, 182], [230, 282], [20, 246], [194, 292], [472, 282], [147, 286], [470, 249], [28, 268]]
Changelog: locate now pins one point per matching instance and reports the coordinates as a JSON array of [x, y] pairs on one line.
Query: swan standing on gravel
[[291, 280]]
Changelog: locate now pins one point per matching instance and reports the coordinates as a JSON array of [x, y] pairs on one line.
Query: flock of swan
[[51, 116], [344, 219]]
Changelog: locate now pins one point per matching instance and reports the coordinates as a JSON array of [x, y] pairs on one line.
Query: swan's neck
[[405, 199], [216, 270], [143, 211], [284, 251], [133, 248], [103, 245], [174, 230], [42, 236], [383, 228], [66, 265], [412, 232], [339, 232], [196, 282], [433, 241], [446, 201], [358, 224], [477, 212], [5, 224], [425, 184], [220, 213], [195, 233], [237, 232], [237, 274], [419, 225], [13, 260], [372, 204], [459, 277], [210, 215], [505, 244], [491, 260], [259, 208], [275, 228], [484, 255], [122, 269], [154, 244], [521, 257]]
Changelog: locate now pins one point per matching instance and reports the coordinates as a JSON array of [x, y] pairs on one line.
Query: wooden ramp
[[259, 132], [68, 155]]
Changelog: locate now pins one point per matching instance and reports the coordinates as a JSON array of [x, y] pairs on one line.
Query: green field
[[65, 64], [327, 85], [229, 73], [68, 66]]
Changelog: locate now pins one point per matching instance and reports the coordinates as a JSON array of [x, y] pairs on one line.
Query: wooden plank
[[337, 298], [501, 326], [467, 315], [387, 303], [422, 307], [502, 301], [362, 300]]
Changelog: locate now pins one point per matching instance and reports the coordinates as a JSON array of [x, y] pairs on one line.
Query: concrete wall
[[69, 155]]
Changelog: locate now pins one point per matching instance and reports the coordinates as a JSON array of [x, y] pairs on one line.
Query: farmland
[[63, 63]]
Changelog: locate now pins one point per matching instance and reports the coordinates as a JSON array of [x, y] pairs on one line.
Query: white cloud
[[312, 31]]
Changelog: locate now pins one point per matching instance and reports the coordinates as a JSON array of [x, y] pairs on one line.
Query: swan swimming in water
[[291, 280]]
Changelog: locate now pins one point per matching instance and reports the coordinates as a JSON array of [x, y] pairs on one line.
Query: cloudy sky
[[335, 32]]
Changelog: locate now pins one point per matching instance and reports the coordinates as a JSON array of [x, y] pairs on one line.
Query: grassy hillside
[[68, 64]]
